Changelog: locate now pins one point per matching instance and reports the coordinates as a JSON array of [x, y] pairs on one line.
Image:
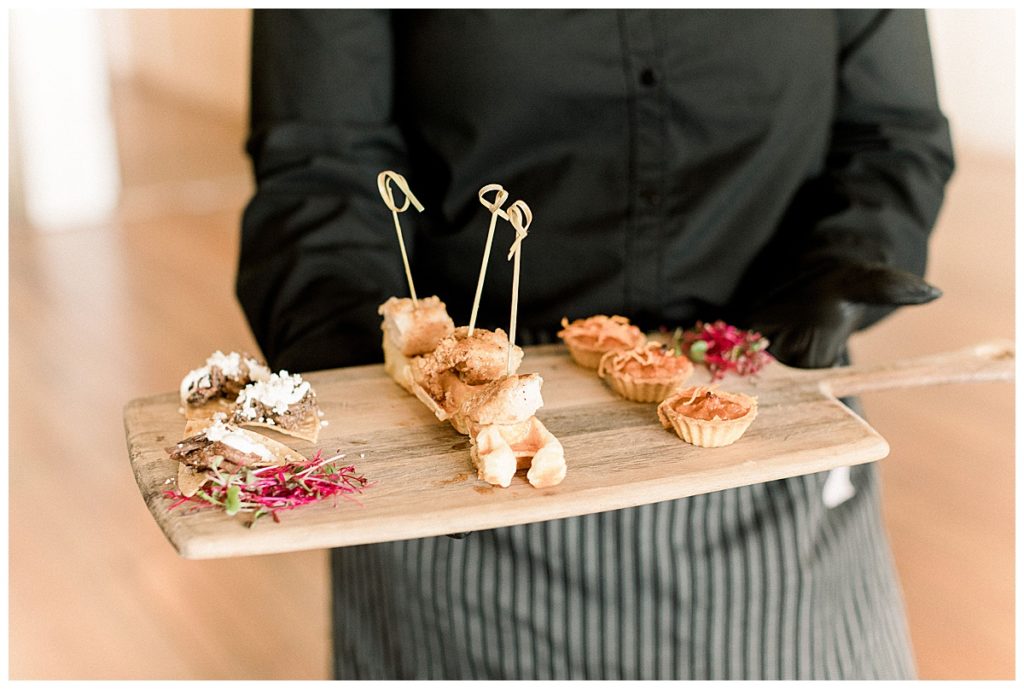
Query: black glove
[[809, 318]]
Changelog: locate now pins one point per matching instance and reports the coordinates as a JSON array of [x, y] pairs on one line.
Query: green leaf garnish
[[207, 497], [698, 349], [677, 341], [231, 501]]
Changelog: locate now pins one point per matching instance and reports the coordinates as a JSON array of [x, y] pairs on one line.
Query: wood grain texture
[[618, 454]]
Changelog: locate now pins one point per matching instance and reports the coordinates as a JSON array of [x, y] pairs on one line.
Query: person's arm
[[318, 249], [853, 245]]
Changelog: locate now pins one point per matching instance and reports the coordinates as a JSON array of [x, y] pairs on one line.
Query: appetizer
[[411, 329], [706, 417], [241, 471], [284, 402], [648, 373], [505, 435], [214, 387], [244, 390], [467, 375], [464, 379], [448, 374], [225, 447], [589, 339]]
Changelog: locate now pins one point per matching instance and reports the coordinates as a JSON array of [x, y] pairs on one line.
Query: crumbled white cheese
[[193, 380], [229, 363], [236, 438], [257, 371], [277, 392]]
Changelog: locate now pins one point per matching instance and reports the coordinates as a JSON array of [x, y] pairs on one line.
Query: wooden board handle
[[987, 361]]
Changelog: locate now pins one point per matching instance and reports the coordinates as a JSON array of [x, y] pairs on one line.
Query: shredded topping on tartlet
[[601, 332], [653, 360], [707, 404]]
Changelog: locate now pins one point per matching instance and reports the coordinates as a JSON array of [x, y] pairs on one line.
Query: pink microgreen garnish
[[723, 347], [270, 490]]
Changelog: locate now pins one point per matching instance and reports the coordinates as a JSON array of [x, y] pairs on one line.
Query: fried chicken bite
[[415, 329], [464, 379], [477, 358], [458, 365], [505, 435], [411, 331]]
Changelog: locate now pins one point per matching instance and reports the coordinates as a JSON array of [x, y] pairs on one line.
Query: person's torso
[[657, 149]]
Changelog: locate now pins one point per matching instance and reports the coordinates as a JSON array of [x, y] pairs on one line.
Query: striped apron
[[759, 582]]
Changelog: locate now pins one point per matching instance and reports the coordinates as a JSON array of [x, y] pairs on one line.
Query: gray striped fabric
[[760, 582]]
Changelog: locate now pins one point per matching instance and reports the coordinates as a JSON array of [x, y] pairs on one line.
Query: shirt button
[[647, 77]]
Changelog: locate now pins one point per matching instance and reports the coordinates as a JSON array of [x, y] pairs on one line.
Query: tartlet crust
[[716, 432], [647, 388], [614, 333]]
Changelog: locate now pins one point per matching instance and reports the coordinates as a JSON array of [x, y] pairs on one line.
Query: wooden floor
[[949, 480], [102, 315]]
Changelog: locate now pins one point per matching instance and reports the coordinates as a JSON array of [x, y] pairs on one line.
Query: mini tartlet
[[707, 417], [589, 339], [648, 373]]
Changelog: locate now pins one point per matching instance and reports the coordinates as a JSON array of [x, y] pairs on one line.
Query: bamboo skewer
[[520, 215], [383, 180], [494, 207]]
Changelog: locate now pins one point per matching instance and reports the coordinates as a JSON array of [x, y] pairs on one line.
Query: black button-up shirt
[[676, 162]]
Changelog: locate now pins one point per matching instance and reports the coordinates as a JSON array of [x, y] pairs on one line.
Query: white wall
[[974, 66], [64, 144]]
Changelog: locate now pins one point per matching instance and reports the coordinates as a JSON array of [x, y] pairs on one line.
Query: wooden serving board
[[617, 452]]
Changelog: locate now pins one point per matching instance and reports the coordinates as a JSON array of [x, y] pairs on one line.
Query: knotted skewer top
[[520, 215], [500, 196], [384, 180], [388, 195]]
